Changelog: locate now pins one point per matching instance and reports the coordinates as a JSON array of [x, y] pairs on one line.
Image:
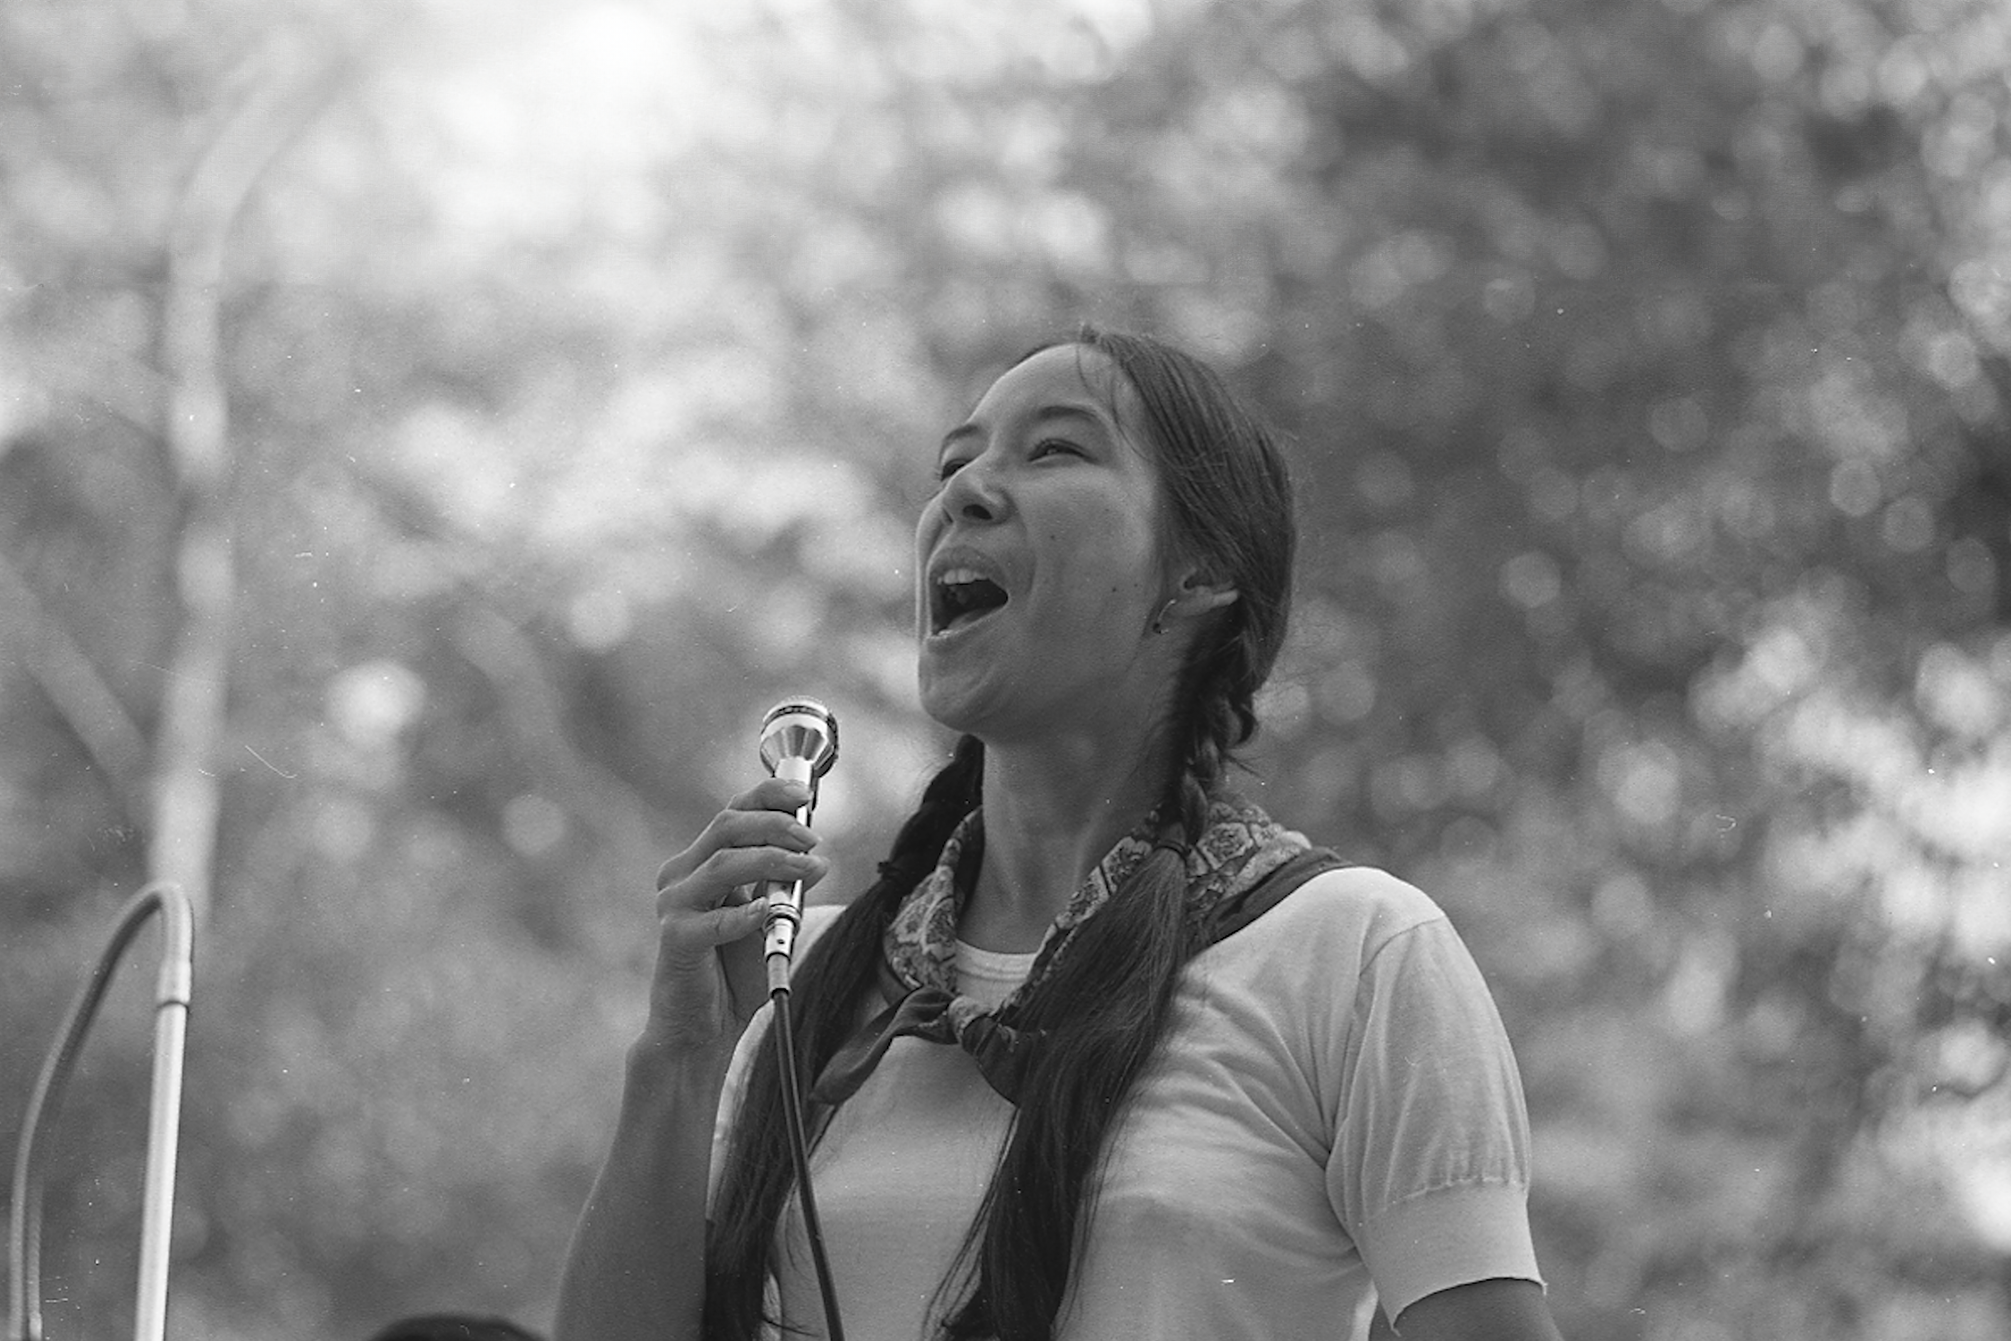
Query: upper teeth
[[954, 576]]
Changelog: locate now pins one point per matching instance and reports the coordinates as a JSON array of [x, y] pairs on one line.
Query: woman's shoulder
[[818, 918], [1308, 968], [1349, 911]]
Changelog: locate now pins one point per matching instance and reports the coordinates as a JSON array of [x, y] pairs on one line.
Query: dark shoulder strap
[[1232, 914]]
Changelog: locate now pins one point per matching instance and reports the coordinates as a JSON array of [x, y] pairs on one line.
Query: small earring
[[1159, 624]]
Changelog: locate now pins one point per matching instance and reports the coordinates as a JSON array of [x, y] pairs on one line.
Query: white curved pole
[[163, 1119]]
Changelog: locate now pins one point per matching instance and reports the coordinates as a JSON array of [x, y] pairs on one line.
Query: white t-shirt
[[1334, 1117]]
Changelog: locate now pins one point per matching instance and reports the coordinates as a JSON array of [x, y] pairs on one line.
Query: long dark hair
[[1229, 506]]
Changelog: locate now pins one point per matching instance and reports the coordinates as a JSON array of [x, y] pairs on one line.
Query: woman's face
[[1039, 562]]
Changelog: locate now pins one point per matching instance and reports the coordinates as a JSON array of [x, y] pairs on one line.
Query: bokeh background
[[432, 431]]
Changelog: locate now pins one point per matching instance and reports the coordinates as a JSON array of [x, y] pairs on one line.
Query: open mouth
[[962, 596]]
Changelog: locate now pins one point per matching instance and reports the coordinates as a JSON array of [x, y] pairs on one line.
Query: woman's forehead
[[1066, 376]]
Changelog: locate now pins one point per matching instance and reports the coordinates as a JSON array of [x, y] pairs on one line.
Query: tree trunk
[[187, 791]]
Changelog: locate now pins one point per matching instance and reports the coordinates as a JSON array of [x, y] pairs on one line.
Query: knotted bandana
[[1228, 885]]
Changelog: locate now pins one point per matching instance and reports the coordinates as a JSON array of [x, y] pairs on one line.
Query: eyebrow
[[1045, 414]]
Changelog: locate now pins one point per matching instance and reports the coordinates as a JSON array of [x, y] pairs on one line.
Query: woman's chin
[[972, 696], [953, 704]]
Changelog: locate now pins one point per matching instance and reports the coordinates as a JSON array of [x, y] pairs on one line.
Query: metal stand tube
[[164, 1121]]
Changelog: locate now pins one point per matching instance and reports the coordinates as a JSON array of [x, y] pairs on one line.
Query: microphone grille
[[800, 728]]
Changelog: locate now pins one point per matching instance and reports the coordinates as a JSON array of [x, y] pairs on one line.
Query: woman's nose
[[975, 493]]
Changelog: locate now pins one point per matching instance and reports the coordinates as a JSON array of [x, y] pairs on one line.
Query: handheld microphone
[[799, 741]]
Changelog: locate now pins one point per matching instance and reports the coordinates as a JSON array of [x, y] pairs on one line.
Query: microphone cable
[[799, 1153]]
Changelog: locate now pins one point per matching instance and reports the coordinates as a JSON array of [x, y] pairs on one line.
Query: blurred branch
[[283, 99], [93, 371], [79, 694], [279, 106], [532, 708]]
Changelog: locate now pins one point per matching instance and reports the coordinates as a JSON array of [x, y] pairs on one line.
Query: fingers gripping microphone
[[799, 741]]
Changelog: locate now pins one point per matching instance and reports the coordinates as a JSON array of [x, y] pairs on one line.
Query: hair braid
[[1198, 773], [1218, 687], [950, 796]]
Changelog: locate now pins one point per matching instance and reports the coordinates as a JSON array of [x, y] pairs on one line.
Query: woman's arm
[[636, 1268], [1487, 1310]]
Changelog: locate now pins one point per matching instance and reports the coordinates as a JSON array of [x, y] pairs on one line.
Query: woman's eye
[[1054, 446], [949, 466]]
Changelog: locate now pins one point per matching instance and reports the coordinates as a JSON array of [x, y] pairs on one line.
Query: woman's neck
[[1053, 810]]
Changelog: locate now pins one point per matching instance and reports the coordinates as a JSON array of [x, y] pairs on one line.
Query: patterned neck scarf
[[1240, 847]]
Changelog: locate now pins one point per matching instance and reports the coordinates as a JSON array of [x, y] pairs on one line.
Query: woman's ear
[[1200, 592]]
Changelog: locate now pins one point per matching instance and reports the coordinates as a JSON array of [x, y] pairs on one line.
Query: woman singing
[[1105, 1052]]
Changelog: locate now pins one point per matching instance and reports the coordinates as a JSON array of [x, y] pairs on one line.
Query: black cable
[[799, 1152]]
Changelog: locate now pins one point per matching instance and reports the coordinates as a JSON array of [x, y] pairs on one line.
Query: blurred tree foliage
[[573, 373]]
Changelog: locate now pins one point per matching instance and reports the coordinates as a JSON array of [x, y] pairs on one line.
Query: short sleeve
[[1429, 1170]]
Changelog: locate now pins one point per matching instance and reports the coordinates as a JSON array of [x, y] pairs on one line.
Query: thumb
[[730, 922]]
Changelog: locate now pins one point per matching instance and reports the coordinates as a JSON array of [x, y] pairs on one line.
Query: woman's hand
[[709, 975]]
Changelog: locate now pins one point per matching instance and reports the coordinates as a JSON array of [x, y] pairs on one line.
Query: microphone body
[[799, 742]]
